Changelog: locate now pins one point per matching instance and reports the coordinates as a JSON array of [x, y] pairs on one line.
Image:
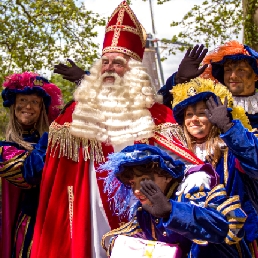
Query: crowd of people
[[125, 171]]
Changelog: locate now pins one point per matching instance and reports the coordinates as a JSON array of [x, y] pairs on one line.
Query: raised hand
[[161, 207], [189, 67], [71, 73], [218, 114]]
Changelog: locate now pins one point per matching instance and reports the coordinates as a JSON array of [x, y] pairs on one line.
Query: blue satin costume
[[242, 175], [199, 222], [24, 171]]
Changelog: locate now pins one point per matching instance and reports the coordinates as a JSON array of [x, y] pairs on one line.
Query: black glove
[[189, 67], [218, 114], [71, 73], [161, 207]]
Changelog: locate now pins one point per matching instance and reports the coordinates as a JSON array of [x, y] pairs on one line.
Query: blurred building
[[150, 61]]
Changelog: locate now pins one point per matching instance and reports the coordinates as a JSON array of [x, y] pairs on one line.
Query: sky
[[174, 10]]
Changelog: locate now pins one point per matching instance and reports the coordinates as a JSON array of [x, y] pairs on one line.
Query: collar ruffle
[[250, 104]]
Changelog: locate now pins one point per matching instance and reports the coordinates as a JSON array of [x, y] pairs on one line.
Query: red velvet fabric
[[124, 31], [52, 230], [10, 208]]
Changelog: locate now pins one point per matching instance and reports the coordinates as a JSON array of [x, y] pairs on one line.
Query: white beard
[[114, 113]]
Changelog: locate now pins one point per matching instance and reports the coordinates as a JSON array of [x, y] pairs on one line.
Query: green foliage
[[212, 23], [250, 28], [34, 33], [66, 87], [4, 115]]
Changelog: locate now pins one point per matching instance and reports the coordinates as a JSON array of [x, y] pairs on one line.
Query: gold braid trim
[[25, 233], [128, 229], [228, 202], [11, 171], [226, 167], [63, 143], [169, 130]]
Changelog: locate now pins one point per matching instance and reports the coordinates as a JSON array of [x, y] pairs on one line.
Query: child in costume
[[163, 223]]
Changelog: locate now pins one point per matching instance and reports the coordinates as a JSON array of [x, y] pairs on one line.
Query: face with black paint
[[196, 121], [27, 109], [239, 77]]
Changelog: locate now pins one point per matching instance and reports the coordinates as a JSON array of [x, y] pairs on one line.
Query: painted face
[[161, 181], [239, 77], [27, 109], [114, 63], [196, 121]]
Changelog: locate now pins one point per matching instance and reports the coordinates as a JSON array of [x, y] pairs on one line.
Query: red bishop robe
[[63, 226]]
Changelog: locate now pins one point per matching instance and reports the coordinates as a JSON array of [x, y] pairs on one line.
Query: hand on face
[[160, 206], [218, 114], [27, 109], [189, 67]]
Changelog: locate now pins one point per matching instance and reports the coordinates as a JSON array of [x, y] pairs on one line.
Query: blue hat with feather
[[131, 156]]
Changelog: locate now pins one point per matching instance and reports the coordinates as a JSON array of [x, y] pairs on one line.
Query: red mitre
[[124, 33]]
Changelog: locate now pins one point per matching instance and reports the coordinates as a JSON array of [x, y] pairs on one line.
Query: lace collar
[[250, 103]]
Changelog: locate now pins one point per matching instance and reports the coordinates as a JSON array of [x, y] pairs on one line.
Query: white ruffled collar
[[250, 103]]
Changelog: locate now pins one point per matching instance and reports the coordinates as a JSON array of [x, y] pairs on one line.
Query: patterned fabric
[[198, 219], [23, 170]]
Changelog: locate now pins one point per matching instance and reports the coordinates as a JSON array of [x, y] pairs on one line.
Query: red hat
[[124, 33]]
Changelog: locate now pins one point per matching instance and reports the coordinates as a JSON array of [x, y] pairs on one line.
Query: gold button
[[156, 221], [164, 233], [139, 209]]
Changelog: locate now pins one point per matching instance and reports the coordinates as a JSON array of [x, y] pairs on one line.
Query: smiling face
[[114, 63], [239, 77], [196, 121], [27, 109], [135, 183]]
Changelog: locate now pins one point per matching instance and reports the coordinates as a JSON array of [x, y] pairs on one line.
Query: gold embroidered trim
[[233, 236], [231, 208], [236, 226], [169, 130], [128, 229], [29, 249], [223, 193], [176, 149], [227, 202], [225, 167], [125, 7], [200, 242], [63, 143], [70, 202], [26, 228], [122, 50], [11, 171], [239, 250]]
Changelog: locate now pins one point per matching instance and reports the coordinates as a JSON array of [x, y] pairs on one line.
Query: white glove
[[197, 179]]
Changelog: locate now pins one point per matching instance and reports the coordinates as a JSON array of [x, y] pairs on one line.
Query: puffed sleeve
[[34, 163], [21, 167], [207, 217], [245, 148], [11, 162]]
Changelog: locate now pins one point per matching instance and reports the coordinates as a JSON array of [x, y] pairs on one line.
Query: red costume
[[65, 214]]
